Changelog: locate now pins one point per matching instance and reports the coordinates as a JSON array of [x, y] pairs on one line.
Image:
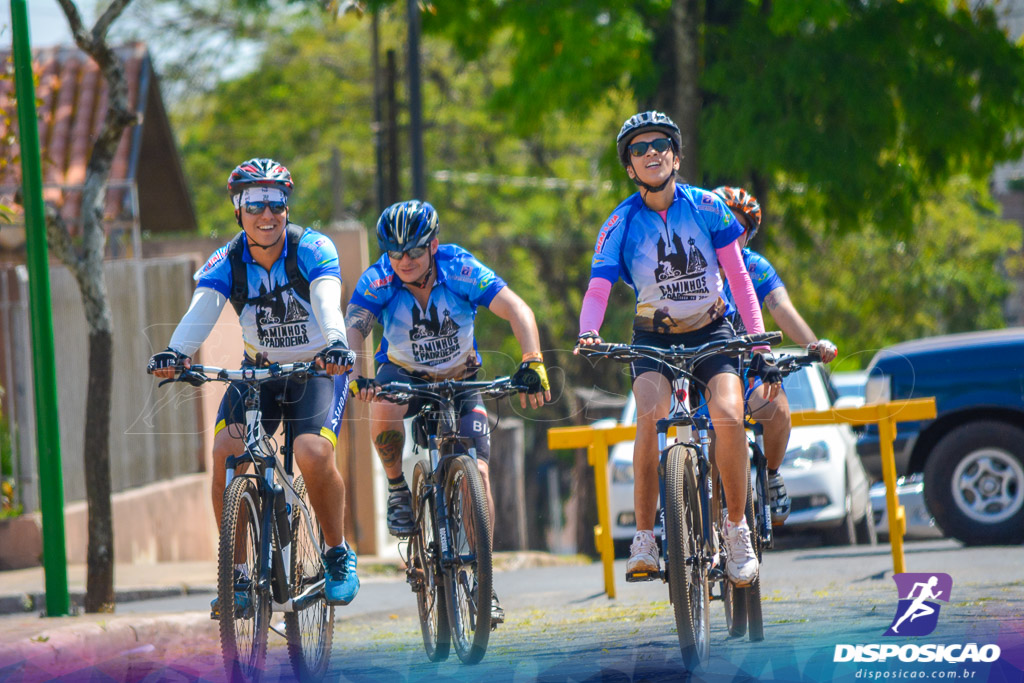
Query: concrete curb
[[73, 646], [27, 603]]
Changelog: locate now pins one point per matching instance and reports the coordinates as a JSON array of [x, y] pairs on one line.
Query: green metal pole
[[51, 484]]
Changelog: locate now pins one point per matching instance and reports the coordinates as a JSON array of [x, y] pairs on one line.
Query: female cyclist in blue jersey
[[426, 296], [771, 291], [674, 243]]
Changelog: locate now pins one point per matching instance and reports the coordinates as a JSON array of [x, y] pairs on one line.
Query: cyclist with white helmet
[[285, 284], [425, 295], [674, 243], [774, 416]]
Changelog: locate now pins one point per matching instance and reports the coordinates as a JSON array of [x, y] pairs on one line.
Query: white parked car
[[826, 481]]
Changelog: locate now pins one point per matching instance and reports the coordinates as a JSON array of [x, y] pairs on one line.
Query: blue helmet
[[407, 225], [644, 122]]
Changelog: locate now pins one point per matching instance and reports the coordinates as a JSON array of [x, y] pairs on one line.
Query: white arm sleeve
[[199, 319], [325, 297]]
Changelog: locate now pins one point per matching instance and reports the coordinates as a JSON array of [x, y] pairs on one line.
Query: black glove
[[589, 336], [764, 368], [168, 358], [532, 375], [338, 353]]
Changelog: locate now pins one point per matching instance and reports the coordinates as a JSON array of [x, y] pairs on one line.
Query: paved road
[[560, 627]]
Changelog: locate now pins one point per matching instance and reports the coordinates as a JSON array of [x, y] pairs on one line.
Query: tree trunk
[[677, 50], [99, 596]]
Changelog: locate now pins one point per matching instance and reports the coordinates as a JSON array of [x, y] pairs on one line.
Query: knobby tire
[[309, 631], [424, 556], [469, 582], [243, 629]]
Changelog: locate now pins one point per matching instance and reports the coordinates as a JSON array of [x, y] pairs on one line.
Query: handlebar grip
[[360, 383], [814, 355], [765, 338]]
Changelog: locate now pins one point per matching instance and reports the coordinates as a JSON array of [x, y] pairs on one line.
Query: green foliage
[[869, 290]]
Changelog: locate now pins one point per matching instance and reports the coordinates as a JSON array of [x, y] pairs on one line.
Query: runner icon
[[918, 607]]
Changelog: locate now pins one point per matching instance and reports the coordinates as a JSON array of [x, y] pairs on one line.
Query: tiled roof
[[71, 102]]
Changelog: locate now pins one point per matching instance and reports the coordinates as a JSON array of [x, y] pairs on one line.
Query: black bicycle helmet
[[642, 123], [260, 172], [407, 225]]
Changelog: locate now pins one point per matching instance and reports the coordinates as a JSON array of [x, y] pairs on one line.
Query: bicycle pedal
[[636, 577], [214, 614], [716, 574]]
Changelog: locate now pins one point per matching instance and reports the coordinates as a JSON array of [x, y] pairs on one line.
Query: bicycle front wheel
[[243, 606], [469, 582], [687, 573], [733, 599], [309, 631], [752, 593], [424, 558]]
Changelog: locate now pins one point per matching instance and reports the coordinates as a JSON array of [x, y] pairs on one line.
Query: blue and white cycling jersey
[[765, 279], [439, 339], [282, 328], [670, 262]]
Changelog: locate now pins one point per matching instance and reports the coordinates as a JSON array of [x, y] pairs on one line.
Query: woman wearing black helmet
[[285, 284], [674, 243], [426, 296]]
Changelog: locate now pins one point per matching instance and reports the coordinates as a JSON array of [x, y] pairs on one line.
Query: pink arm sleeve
[[742, 288], [595, 302]]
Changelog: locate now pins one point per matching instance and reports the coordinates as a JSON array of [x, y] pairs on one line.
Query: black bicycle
[[448, 554], [691, 534], [743, 604], [270, 556]]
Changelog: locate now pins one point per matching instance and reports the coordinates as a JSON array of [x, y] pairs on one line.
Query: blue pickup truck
[[972, 453]]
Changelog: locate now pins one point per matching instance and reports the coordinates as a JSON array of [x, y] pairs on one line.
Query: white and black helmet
[[644, 122]]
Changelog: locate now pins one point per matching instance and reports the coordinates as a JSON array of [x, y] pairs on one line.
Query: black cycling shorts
[[703, 371], [310, 406], [472, 413]]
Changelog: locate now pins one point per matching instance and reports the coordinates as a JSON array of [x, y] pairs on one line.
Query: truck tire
[[974, 483]]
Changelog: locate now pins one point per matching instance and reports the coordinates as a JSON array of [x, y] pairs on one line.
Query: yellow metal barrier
[[886, 415]]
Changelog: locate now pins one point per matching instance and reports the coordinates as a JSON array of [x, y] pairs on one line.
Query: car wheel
[[865, 529], [845, 533], [974, 484]]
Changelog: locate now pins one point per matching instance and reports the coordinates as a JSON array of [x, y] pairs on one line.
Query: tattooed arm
[[789, 320], [359, 324]]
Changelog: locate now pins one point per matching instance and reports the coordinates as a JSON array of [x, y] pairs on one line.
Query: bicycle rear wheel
[[752, 593], [424, 564], [469, 586], [687, 573], [733, 599], [244, 607], [309, 631]]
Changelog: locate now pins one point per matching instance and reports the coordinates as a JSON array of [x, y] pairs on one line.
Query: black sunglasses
[[413, 253], [638, 149], [256, 208]]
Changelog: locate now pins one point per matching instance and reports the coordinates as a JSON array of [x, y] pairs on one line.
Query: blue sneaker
[[342, 584], [243, 601]]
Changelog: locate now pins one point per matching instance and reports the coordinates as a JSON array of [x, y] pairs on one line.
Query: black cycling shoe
[[778, 499], [401, 521]]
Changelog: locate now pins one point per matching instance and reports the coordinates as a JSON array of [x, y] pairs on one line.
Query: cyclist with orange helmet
[[676, 244], [775, 418]]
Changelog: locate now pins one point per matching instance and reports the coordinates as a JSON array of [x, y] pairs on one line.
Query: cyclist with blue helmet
[[285, 284], [426, 295], [676, 244], [771, 292]]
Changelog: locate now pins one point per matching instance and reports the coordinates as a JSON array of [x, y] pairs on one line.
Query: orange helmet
[[738, 199]]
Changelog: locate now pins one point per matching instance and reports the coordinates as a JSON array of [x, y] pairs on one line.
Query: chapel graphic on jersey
[[671, 263], [275, 322], [437, 339]]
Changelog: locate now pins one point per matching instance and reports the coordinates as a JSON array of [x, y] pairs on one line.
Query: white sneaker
[[741, 562], [643, 558]]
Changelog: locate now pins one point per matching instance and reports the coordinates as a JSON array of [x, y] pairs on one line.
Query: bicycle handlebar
[[197, 375], [688, 356], [437, 392]]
